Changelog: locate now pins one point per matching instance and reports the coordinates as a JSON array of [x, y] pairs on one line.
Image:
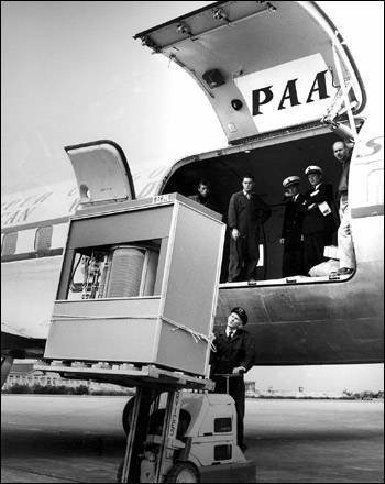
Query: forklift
[[182, 435], [177, 429]]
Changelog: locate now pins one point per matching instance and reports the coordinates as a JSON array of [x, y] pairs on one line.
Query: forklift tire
[[183, 424], [127, 415], [120, 472], [182, 472]]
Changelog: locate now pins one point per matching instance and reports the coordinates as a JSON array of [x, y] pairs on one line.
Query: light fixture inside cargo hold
[[148, 42], [236, 104], [213, 78]]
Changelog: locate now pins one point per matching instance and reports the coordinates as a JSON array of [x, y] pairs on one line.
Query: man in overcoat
[[247, 213], [292, 236]]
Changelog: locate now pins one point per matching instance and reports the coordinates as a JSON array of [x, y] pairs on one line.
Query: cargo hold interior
[[270, 164]]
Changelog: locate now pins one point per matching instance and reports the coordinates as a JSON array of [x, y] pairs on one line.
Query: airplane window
[[8, 247], [43, 238]]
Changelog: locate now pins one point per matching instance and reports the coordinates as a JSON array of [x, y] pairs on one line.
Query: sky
[[71, 72]]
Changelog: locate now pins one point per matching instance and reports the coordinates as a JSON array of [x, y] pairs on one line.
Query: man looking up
[[234, 354]]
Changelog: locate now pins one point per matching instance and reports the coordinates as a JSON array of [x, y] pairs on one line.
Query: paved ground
[[79, 439]]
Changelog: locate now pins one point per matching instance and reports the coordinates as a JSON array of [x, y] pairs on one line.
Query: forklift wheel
[[120, 472], [127, 415], [182, 472], [183, 424]]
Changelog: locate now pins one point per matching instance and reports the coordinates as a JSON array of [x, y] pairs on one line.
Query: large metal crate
[[170, 327]]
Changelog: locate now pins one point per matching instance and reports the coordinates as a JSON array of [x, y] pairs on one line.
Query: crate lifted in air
[[139, 282]]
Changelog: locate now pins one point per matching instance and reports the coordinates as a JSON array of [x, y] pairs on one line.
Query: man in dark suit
[[247, 213], [320, 217], [292, 236], [234, 354], [204, 195]]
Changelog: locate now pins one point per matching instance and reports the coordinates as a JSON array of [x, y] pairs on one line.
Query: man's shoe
[[344, 271], [243, 447]]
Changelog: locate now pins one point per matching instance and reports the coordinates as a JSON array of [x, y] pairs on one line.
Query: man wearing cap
[[319, 221], [233, 355], [247, 213], [292, 236], [342, 153]]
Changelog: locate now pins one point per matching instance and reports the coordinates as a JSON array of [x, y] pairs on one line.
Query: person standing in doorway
[[342, 153], [204, 194], [292, 236], [247, 213], [319, 221]]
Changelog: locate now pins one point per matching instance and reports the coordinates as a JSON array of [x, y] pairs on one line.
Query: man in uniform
[[247, 213], [319, 221], [233, 355], [342, 153], [292, 236]]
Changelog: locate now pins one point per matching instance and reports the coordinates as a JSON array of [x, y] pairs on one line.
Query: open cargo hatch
[[264, 66], [102, 172]]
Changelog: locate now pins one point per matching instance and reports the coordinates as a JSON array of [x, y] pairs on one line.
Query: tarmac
[[59, 439]]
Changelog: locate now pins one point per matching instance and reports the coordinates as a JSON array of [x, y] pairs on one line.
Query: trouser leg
[[251, 256], [293, 260], [314, 248], [240, 409], [237, 391], [236, 259], [345, 241]]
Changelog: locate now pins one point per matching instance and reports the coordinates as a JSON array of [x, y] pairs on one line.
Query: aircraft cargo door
[[102, 172], [264, 66]]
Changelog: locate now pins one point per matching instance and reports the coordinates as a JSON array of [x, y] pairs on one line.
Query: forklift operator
[[233, 355]]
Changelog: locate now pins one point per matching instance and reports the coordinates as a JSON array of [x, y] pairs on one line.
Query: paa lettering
[[290, 95]]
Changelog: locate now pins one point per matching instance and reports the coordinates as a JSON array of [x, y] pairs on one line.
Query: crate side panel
[[193, 272], [149, 224], [178, 349], [102, 340]]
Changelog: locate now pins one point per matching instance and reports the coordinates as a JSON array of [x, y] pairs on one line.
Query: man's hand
[[238, 370], [282, 241], [235, 234]]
